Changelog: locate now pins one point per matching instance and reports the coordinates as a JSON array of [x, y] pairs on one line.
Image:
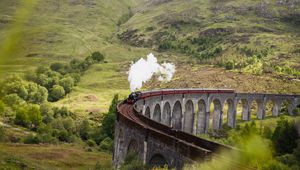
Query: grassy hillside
[[20, 156], [249, 36], [255, 36]]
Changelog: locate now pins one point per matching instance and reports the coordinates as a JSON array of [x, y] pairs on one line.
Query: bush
[[69, 125], [109, 119], [36, 93], [32, 139], [229, 65], [85, 130], [56, 93], [106, 144], [67, 83], [285, 137], [2, 134], [91, 143], [47, 138], [34, 115], [131, 162], [64, 136], [22, 118], [2, 106], [13, 100], [45, 129], [97, 56]]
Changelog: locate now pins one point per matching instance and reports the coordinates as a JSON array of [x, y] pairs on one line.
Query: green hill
[[247, 45], [255, 40]]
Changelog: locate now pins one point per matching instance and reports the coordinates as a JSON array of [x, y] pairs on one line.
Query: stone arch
[[201, 122], [147, 112], [166, 114], [217, 114], [158, 161], [157, 113], [230, 113], [133, 147], [285, 106], [177, 115], [189, 116], [269, 107]]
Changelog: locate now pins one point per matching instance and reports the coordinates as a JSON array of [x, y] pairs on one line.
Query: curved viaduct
[[161, 127]]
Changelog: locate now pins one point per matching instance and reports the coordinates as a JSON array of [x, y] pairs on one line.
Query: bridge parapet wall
[[199, 111]]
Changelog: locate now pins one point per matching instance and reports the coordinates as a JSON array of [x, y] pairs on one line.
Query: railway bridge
[[161, 127]]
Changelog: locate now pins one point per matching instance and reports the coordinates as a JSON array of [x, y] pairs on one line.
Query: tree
[[107, 129], [36, 93], [56, 93], [34, 115], [14, 85], [75, 63], [67, 83], [285, 136], [69, 125], [22, 117], [84, 130], [47, 113], [13, 100], [57, 66], [97, 56], [2, 106]]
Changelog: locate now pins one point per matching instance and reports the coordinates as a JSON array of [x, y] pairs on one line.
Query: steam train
[[135, 96]]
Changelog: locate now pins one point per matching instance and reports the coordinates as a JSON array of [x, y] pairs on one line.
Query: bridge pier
[[246, 109], [261, 109], [276, 107], [292, 106]]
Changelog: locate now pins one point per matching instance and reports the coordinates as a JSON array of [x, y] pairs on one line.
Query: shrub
[[22, 118], [36, 93], [57, 124], [131, 162], [44, 129], [106, 144], [69, 125], [91, 143], [67, 83], [2, 134], [109, 119], [85, 130], [56, 93], [2, 106], [285, 136], [34, 115], [47, 138], [32, 139], [13, 100], [63, 136], [229, 65], [97, 56]]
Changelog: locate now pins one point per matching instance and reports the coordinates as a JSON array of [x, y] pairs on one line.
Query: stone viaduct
[[162, 126]]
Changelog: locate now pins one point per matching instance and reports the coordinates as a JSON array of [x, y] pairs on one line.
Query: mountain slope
[[220, 31]]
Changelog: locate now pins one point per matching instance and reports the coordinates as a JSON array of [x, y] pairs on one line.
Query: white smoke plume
[[143, 70]]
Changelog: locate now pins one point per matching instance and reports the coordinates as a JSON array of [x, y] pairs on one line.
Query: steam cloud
[[143, 70]]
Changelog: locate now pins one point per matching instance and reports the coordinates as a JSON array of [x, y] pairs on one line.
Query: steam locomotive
[[133, 97]]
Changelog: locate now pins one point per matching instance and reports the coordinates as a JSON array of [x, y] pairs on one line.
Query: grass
[[66, 156], [60, 31]]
